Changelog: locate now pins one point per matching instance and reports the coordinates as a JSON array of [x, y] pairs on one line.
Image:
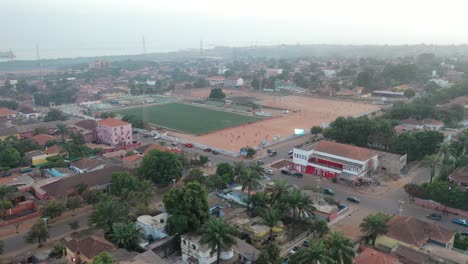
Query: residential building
[[99, 64], [460, 177], [114, 132], [233, 82], [147, 257], [440, 82], [7, 114], [369, 255], [284, 85], [28, 131], [329, 73], [87, 128], [346, 92], [63, 187], [195, 252], [153, 227], [425, 124], [216, 80], [29, 113], [89, 164], [132, 162], [330, 159], [247, 254], [42, 139], [412, 232], [258, 233], [86, 249]]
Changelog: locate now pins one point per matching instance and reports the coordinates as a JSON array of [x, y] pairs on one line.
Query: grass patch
[[188, 118]]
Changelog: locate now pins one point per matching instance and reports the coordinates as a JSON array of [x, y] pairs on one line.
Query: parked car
[[294, 250], [215, 152], [465, 233], [25, 169], [268, 151], [260, 162], [298, 174], [264, 177], [435, 216], [328, 191], [285, 172], [269, 172], [306, 243], [353, 199], [290, 152], [461, 222], [286, 261], [207, 150], [188, 145], [6, 174], [273, 153]]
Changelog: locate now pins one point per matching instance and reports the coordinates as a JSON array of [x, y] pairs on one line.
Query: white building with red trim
[[330, 159]]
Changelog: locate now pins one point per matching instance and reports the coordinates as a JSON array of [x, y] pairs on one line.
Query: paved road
[[56, 231]]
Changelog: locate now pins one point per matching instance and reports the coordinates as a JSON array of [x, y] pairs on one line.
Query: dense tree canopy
[[217, 93], [55, 115], [9, 157], [188, 207], [161, 167]]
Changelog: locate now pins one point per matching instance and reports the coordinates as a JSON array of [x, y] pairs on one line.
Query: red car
[[188, 145]]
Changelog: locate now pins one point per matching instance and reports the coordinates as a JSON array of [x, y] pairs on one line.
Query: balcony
[[326, 163]]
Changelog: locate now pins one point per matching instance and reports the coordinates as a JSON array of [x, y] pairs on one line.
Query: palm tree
[[238, 168], [106, 213], [125, 235], [250, 182], [446, 150], [374, 225], [463, 141], [340, 247], [299, 204], [431, 161], [271, 217], [279, 192], [256, 167], [62, 129], [317, 253], [218, 235]]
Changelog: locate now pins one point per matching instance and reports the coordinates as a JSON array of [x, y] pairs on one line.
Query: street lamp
[[173, 181]]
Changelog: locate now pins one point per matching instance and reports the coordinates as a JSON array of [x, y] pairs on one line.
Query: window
[[161, 221], [194, 247], [184, 242]]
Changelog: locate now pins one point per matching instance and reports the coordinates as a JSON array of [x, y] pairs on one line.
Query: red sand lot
[[310, 112]]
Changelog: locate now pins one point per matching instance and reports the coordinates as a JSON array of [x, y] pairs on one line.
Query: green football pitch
[[188, 118]]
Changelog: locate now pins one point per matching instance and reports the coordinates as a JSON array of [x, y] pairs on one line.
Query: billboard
[[299, 131]]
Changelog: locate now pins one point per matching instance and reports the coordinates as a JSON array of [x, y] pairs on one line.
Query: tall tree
[[270, 255], [5, 203], [250, 182], [271, 217], [319, 228], [62, 130], [53, 209], [9, 157], [431, 161], [38, 233], [279, 191], [374, 225], [106, 213], [73, 203], [161, 167], [238, 169], [340, 247], [299, 204], [125, 235], [447, 150], [219, 236], [256, 167], [317, 253], [188, 208], [103, 258], [55, 115]]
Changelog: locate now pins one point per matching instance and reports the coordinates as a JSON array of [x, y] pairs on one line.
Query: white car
[[264, 177], [269, 172], [156, 137]]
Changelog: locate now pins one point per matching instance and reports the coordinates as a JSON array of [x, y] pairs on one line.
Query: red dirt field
[[309, 112]]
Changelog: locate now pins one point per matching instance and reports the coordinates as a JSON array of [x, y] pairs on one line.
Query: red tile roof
[[155, 146], [42, 139], [112, 122], [460, 175], [6, 112], [372, 256], [132, 158], [54, 149], [344, 150], [417, 232], [90, 246]]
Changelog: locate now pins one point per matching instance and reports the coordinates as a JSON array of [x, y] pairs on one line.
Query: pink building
[[114, 132]]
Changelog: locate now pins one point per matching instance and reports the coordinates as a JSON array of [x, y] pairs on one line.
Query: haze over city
[[93, 28]]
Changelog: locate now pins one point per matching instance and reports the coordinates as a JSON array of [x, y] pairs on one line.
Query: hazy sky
[[69, 28]]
